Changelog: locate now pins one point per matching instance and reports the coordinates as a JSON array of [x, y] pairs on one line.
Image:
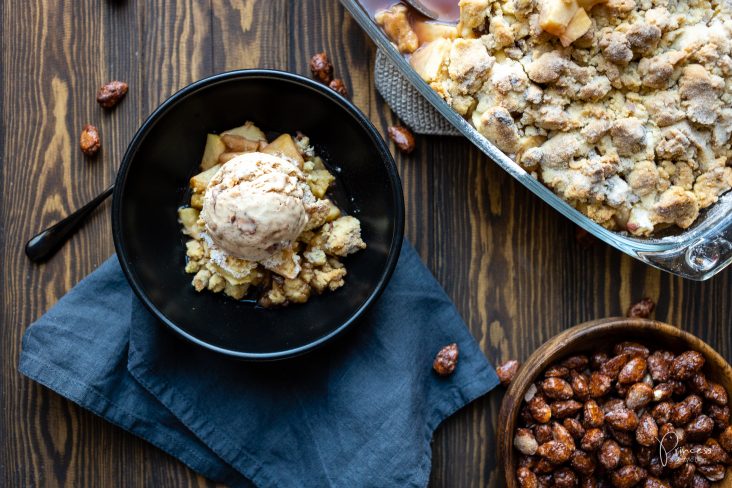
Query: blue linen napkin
[[358, 412]]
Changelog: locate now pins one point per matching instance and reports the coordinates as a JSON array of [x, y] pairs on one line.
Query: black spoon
[[45, 244]]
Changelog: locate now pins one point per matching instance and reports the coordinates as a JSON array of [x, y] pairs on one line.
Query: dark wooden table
[[510, 263]]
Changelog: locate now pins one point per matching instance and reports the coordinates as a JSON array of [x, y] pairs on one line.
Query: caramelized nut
[[543, 433], [611, 368], [639, 395], [582, 463], [684, 475], [686, 364], [633, 371], [321, 68], [564, 478], [609, 455], [600, 385], [628, 476], [111, 93], [652, 482], [557, 389], [720, 416], [623, 437], [402, 137], [592, 440], [574, 427], [662, 391], [89, 142], [642, 309], [580, 385], [560, 434], [700, 428], [659, 365], [668, 436], [555, 452], [446, 360], [656, 468], [698, 383], [647, 430], [593, 415], [700, 482], [714, 472], [525, 441], [540, 410], [543, 466], [710, 453], [678, 457], [627, 458], [632, 348], [622, 419], [506, 371], [565, 408], [685, 410], [716, 393], [598, 359], [725, 439], [644, 455], [526, 478], [556, 371], [575, 362], [339, 87]]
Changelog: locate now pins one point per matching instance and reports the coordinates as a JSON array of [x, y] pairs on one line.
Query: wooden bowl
[[586, 338]]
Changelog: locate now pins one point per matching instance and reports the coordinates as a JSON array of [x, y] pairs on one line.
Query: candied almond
[[641, 309], [89, 141], [402, 137], [321, 68], [338, 86], [111, 93], [446, 360], [507, 370]]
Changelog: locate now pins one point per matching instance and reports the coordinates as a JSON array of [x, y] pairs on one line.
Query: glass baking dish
[[697, 253]]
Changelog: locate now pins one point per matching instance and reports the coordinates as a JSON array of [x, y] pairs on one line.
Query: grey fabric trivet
[[406, 101]]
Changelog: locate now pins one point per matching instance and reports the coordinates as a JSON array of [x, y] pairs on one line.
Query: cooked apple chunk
[[284, 145], [430, 58], [200, 181], [556, 15], [576, 28], [214, 148]]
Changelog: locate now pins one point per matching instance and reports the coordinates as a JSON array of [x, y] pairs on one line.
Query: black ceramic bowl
[[153, 181]]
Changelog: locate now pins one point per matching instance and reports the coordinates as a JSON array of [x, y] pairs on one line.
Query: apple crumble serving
[[622, 107], [260, 219]]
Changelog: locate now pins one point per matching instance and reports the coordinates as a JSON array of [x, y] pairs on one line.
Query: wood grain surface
[[511, 264]]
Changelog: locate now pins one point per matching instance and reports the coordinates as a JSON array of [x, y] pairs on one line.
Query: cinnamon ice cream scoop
[[256, 205]]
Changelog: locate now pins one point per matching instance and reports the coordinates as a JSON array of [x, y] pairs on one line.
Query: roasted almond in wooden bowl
[[618, 402]]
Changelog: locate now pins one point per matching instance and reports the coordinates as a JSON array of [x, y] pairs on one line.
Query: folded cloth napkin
[[358, 412], [406, 102]]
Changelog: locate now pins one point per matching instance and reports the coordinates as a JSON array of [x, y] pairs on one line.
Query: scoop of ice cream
[[255, 205]]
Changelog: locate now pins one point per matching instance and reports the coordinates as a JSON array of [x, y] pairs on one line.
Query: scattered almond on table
[[402, 137], [506, 371], [338, 86], [111, 93], [89, 141], [446, 360], [322, 70], [642, 309]]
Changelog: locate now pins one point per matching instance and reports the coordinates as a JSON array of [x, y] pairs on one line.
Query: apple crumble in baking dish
[[260, 219], [622, 107]]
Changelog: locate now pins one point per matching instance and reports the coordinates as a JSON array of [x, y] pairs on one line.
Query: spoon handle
[[45, 244]]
